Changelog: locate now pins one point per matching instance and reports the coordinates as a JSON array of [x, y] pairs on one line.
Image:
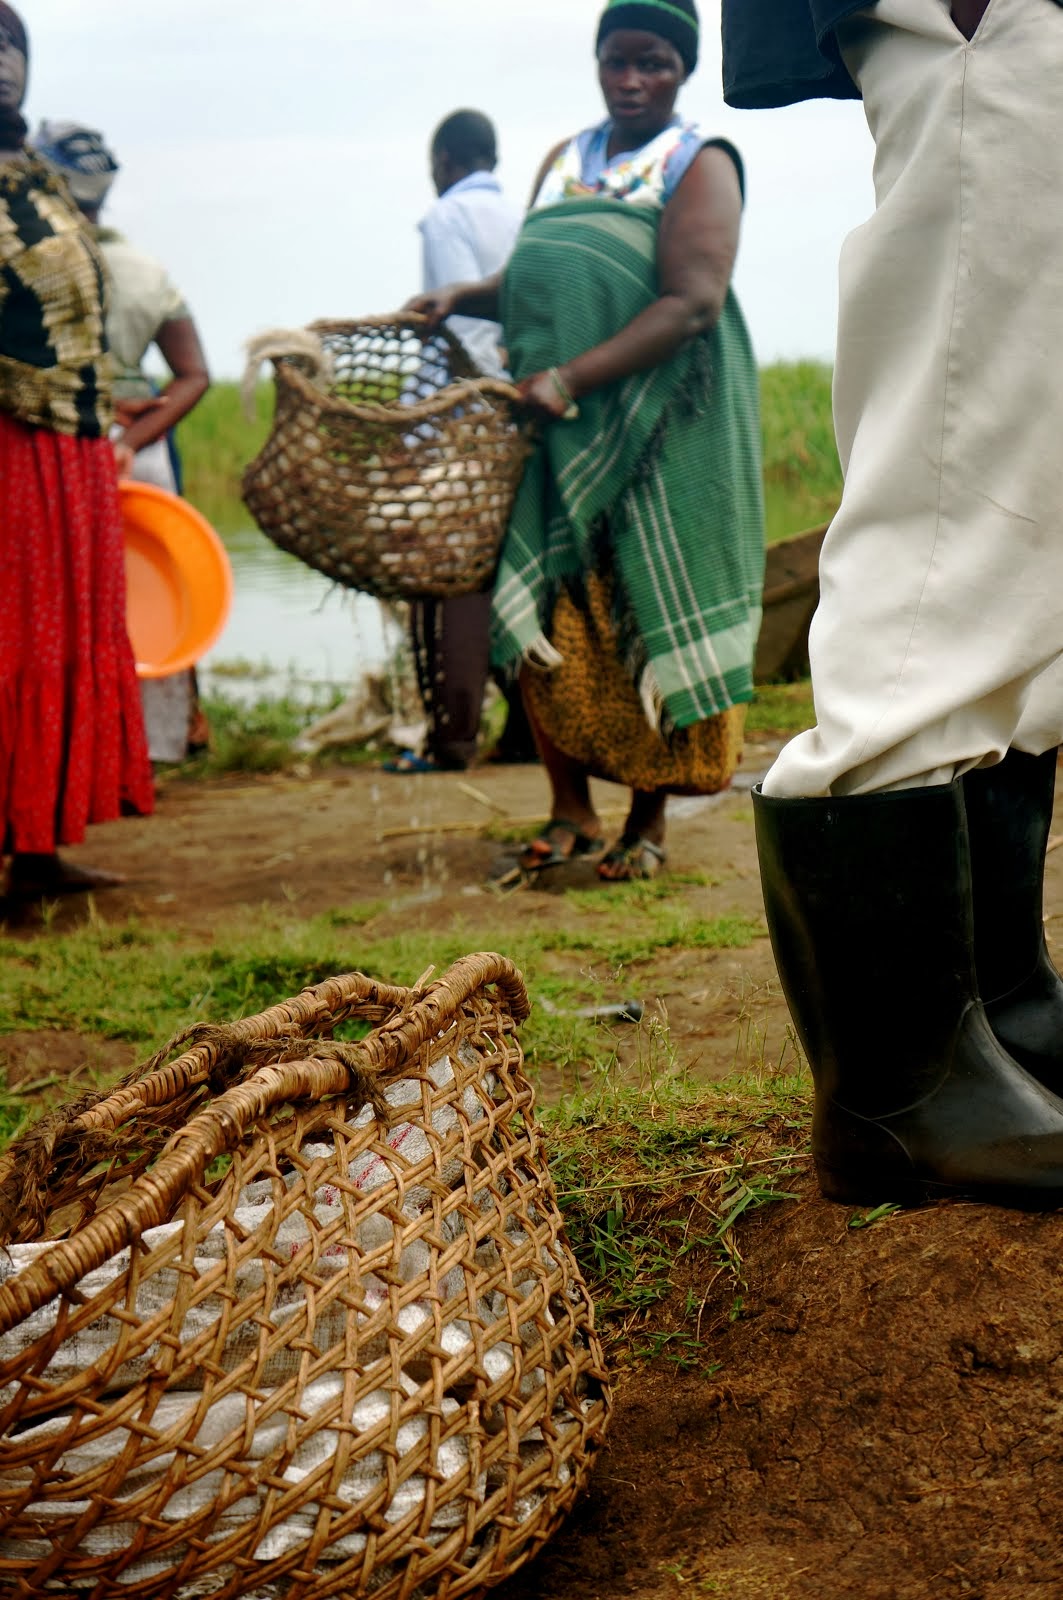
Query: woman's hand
[[126, 412], [542, 393], [463, 299], [123, 459], [437, 306], [148, 419]]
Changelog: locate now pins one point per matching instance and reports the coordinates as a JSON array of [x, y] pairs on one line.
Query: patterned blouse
[[54, 369], [647, 176]]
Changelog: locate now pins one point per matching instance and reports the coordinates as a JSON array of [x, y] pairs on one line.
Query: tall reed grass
[[216, 442], [802, 481], [802, 478]]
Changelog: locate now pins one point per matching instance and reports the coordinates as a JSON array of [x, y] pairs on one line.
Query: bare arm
[[696, 255], [462, 299], [181, 349]]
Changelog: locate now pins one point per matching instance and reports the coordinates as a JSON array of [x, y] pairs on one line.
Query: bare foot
[[41, 877]]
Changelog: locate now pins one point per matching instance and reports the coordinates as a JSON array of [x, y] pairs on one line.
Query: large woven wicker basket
[[392, 469], [296, 1318]]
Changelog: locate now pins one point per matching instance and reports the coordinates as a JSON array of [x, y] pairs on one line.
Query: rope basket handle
[[464, 390], [219, 1125], [463, 393]]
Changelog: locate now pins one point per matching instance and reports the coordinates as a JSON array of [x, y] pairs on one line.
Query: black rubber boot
[[869, 908], [1009, 817]]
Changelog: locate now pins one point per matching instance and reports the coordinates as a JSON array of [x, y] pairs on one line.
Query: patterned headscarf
[[12, 125], [674, 20], [81, 156]]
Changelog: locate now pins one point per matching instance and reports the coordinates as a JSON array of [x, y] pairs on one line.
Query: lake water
[[297, 630]]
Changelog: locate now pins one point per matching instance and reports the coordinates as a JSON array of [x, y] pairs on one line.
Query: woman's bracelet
[[571, 411]]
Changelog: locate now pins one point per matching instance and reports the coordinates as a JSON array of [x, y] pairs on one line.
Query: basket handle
[[224, 1120], [54, 1142], [158, 1082], [469, 385], [388, 319], [392, 319], [465, 390]]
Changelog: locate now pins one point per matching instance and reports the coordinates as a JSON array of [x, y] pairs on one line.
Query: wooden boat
[[791, 594]]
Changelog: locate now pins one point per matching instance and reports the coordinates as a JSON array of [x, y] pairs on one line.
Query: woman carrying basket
[[629, 587]]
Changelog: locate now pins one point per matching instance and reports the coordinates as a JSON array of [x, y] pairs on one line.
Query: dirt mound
[[886, 1421]]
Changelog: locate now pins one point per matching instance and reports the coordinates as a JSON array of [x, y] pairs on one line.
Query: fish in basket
[[392, 464], [296, 1318]]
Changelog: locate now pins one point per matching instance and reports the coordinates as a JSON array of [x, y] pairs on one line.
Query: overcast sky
[[274, 154]]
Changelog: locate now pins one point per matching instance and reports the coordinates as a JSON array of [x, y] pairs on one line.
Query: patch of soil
[[74, 1059], [886, 1422]]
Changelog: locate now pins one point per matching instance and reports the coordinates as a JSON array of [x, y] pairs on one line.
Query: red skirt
[[72, 745]]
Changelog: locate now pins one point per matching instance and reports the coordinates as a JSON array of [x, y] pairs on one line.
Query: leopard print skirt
[[589, 708]]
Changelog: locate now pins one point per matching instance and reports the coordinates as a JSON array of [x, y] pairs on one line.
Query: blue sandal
[[410, 761]]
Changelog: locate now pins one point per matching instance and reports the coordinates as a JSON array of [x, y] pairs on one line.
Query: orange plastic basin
[[179, 584]]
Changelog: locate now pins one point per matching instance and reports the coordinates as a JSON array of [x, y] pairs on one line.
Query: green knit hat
[[674, 20]]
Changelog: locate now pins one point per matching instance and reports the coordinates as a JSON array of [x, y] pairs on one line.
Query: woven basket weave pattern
[[299, 1348], [398, 478]]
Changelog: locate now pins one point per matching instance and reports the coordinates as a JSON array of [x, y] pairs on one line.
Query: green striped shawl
[[658, 479]]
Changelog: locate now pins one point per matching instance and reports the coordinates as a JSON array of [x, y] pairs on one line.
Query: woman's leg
[[645, 820], [452, 654], [573, 820], [639, 852], [461, 671]]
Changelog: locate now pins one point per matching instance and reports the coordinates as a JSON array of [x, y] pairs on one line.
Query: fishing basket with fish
[[392, 463]]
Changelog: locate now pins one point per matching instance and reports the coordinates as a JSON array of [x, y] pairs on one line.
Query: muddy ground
[[886, 1422], [882, 1414]]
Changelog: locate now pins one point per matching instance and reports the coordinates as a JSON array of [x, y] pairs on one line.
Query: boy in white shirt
[[467, 235]]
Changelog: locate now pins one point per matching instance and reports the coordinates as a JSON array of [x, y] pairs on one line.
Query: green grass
[[217, 441], [141, 984], [781, 708], [255, 736], [654, 1179], [17, 1109], [657, 928], [802, 480]]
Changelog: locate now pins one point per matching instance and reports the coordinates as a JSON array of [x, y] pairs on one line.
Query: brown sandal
[[544, 850]]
